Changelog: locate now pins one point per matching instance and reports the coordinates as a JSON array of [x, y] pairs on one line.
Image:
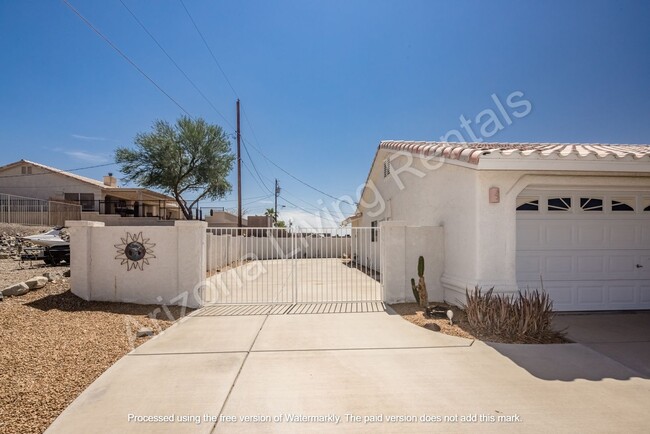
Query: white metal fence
[[36, 212], [275, 265]]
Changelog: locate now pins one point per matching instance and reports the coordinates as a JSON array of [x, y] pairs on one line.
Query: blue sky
[[322, 82]]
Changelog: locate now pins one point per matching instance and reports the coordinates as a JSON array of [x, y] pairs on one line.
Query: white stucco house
[[573, 219], [102, 200]]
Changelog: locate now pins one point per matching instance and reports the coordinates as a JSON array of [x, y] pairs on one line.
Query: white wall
[[443, 195], [45, 185], [175, 271], [479, 236], [226, 249], [402, 246]]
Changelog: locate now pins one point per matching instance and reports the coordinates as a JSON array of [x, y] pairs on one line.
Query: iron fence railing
[[36, 212]]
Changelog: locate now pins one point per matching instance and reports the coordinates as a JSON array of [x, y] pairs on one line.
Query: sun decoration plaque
[[135, 251]]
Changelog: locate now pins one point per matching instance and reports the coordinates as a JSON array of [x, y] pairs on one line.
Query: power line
[[108, 41], [209, 49], [300, 180], [255, 168], [214, 58], [309, 212], [254, 179], [247, 198], [176, 65]]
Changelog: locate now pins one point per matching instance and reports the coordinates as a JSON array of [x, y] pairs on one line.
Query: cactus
[[415, 291], [420, 290]]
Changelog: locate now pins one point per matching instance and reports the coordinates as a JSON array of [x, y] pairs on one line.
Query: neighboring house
[[100, 201], [220, 218], [573, 219]]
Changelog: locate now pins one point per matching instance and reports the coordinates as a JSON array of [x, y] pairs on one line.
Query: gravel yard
[[54, 344]]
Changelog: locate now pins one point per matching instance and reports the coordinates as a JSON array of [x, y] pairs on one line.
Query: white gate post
[[393, 259]]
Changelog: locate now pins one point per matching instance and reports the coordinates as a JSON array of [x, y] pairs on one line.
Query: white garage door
[[591, 251]]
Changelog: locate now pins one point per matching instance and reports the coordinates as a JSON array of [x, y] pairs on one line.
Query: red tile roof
[[472, 152]]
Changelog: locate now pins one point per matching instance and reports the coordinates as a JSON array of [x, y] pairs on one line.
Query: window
[[26, 170], [623, 204], [591, 204], [532, 205], [86, 200], [386, 167], [373, 231], [559, 204]]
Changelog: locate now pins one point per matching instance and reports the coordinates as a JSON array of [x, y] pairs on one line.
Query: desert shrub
[[524, 317]]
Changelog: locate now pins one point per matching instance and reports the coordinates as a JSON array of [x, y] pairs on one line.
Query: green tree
[[280, 224], [270, 212], [189, 157]]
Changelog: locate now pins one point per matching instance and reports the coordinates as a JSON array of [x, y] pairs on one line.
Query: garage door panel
[[644, 294], [645, 235], [621, 264], [558, 234], [558, 264], [588, 261], [621, 234], [561, 295], [590, 293], [591, 264], [621, 294], [590, 235], [529, 265], [529, 233]]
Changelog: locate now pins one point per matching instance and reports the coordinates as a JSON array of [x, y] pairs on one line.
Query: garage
[[590, 250]]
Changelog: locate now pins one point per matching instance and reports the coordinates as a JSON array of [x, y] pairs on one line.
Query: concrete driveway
[[624, 337], [353, 372]]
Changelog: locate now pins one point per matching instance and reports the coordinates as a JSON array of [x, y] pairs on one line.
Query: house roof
[[52, 169], [113, 190], [472, 153], [533, 155]]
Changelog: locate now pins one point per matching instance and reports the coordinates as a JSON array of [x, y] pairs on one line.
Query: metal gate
[[279, 265]]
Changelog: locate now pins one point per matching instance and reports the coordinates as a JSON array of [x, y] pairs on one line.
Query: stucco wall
[[173, 275], [401, 247], [42, 184], [479, 236], [117, 220], [226, 249], [430, 195]]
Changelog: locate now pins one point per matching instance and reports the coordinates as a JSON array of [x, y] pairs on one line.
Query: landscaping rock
[[52, 276], [144, 331], [433, 327], [66, 273], [36, 282], [17, 289]]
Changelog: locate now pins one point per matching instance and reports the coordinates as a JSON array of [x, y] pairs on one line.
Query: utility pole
[[277, 193], [239, 210]]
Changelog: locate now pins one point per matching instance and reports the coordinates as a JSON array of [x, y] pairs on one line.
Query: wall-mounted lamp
[[495, 195]]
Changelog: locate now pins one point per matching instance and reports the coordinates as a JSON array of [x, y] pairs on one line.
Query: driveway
[[293, 281], [624, 337], [353, 372]]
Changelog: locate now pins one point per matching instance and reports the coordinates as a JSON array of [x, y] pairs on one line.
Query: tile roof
[[472, 152]]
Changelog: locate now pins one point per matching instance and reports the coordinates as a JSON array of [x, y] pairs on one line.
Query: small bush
[[525, 317]]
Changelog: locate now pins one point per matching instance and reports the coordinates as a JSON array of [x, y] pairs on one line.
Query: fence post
[[393, 260]]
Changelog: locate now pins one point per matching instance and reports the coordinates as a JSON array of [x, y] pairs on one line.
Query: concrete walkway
[[353, 372]]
